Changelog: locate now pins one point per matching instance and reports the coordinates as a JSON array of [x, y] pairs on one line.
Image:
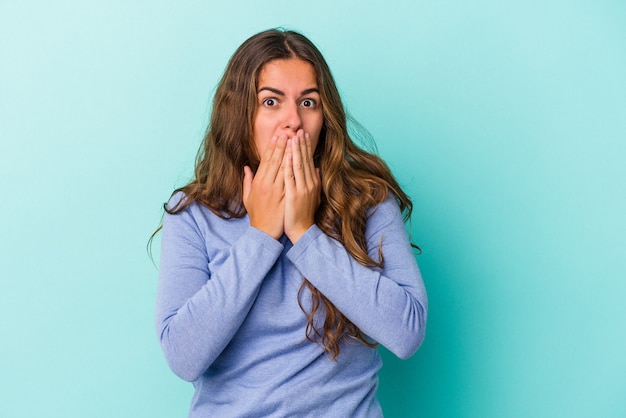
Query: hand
[[263, 193], [302, 186]]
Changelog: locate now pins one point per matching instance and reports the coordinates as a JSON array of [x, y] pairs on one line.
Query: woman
[[285, 262]]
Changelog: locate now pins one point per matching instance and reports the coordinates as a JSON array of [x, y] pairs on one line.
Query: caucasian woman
[[285, 261]]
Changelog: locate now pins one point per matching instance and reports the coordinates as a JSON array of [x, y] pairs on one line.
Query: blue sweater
[[228, 319]]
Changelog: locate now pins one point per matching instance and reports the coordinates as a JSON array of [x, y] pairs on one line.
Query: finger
[[309, 150], [266, 157], [307, 155], [279, 163], [299, 165], [274, 164], [269, 154], [290, 181], [308, 169]]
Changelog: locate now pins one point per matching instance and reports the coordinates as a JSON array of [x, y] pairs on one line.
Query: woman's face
[[288, 99]]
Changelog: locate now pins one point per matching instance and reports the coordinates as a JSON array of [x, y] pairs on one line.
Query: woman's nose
[[292, 119]]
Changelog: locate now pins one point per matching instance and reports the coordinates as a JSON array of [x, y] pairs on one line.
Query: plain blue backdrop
[[505, 121]]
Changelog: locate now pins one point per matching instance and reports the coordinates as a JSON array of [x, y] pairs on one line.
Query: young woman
[[285, 262]]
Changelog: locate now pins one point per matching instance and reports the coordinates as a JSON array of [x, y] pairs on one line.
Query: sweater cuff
[[265, 240], [303, 243]]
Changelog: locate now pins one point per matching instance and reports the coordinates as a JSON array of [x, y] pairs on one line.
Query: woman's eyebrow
[[273, 90], [280, 93], [308, 91]]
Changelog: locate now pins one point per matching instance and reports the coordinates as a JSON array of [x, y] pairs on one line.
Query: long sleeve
[[198, 311], [389, 304]]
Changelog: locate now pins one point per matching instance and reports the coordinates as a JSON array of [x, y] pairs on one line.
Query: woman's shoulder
[[181, 202], [181, 205], [387, 207], [177, 201], [183, 208], [191, 219]]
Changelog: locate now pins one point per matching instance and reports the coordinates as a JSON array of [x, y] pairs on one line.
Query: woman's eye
[[270, 102], [308, 103]]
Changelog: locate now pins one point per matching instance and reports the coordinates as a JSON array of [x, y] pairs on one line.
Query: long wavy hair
[[353, 180]]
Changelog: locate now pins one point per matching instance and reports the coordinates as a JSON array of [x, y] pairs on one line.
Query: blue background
[[505, 121]]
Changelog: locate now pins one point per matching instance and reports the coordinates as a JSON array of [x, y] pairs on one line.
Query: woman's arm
[[388, 304], [198, 311]]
